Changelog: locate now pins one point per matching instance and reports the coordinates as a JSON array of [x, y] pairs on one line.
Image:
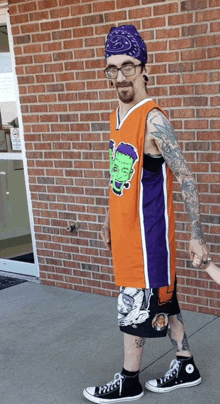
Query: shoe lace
[[173, 371], [118, 379]]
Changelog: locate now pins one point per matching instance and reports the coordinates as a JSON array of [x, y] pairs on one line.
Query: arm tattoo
[[139, 343], [172, 154]]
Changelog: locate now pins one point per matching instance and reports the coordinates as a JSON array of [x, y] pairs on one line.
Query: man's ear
[[147, 69]]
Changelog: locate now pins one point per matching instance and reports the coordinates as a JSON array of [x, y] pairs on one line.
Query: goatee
[[125, 96]]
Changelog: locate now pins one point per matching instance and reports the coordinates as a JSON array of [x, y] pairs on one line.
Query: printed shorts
[[140, 314]]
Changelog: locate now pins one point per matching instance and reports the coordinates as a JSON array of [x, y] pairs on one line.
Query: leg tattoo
[[139, 343], [177, 334]]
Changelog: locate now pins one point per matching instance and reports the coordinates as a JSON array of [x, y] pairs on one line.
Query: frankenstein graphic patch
[[122, 161]]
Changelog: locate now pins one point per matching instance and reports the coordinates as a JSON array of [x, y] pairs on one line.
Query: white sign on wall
[[7, 91], [15, 139]]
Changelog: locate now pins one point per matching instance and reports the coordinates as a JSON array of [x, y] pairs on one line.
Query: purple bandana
[[125, 40]]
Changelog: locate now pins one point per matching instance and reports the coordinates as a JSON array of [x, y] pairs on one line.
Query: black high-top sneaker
[[182, 373], [122, 388]]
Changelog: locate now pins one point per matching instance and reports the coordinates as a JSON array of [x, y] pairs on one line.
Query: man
[[144, 155]]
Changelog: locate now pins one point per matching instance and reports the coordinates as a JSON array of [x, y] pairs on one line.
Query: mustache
[[124, 84]]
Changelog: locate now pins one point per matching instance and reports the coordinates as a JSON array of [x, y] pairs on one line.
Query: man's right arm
[[105, 231]]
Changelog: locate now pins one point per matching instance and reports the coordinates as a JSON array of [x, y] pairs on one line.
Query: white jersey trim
[[118, 123], [143, 239], [166, 215]]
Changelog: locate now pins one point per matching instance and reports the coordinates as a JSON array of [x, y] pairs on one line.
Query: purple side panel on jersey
[[155, 228]]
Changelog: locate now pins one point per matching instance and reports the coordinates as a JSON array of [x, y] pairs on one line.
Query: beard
[[125, 92]]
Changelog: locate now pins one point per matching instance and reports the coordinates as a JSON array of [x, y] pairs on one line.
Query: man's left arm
[[161, 132]]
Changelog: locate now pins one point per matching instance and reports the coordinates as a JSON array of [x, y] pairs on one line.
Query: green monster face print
[[122, 161]]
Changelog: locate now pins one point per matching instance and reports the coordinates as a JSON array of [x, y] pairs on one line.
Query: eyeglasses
[[127, 70]]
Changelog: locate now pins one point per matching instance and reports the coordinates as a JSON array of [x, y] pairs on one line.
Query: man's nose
[[120, 77]]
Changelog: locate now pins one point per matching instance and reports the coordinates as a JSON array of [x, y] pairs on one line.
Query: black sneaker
[[182, 373], [122, 388]]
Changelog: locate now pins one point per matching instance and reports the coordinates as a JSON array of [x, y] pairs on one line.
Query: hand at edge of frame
[[199, 252]]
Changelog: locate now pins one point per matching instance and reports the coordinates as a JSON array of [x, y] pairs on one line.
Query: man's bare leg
[[133, 351], [183, 371], [178, 336]]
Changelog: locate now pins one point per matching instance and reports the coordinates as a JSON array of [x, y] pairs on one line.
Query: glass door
[[17, 245]]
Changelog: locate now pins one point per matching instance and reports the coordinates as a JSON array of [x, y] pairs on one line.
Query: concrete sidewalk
[[56, 342]]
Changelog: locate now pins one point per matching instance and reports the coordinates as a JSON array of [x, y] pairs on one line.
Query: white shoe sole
[[166, 389], [103, 400]]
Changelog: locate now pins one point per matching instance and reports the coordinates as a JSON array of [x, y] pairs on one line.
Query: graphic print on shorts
[[160, 321], [133, 305], [122, 161]]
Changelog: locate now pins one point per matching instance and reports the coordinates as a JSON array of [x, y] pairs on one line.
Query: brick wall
[[66, 101]]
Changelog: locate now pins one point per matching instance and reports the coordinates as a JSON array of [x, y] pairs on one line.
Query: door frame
[[12, 266]]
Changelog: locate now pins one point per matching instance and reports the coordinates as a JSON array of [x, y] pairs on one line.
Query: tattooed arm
[[160, 138]]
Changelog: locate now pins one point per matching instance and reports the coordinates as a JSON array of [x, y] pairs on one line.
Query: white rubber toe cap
[[90, 390], [152, 383]]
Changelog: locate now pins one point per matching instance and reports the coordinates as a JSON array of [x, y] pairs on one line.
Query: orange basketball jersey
[[141, 206]]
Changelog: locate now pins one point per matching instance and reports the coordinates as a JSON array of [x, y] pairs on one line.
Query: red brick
[[103, 6], [113, 16], [49, 118], [24, 8], [70, 23], [163, 57], [55, 67], [183, 90], [67, 2], [154, 22], [74, 43], [84, 54], [59, 35], [208, 15], [94, 42], [53, 46], [82, 32], [41, 37], [44, 4], [19, 19], [75, 86], [25, 80], [15, 30], [193, 30], [214, 27], [62, 56], [49, 26], [190, 5], [65, 77], [60, 12], [168, 33], [166, 9], [179, 19], [24, 60], [180, 44], [36, 89], [41, 15], [207, 41], [92, 19], [47, 98], [42, 58], [32, 49], [22, 39], [127, 3], [193, 54], [45, 78]]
